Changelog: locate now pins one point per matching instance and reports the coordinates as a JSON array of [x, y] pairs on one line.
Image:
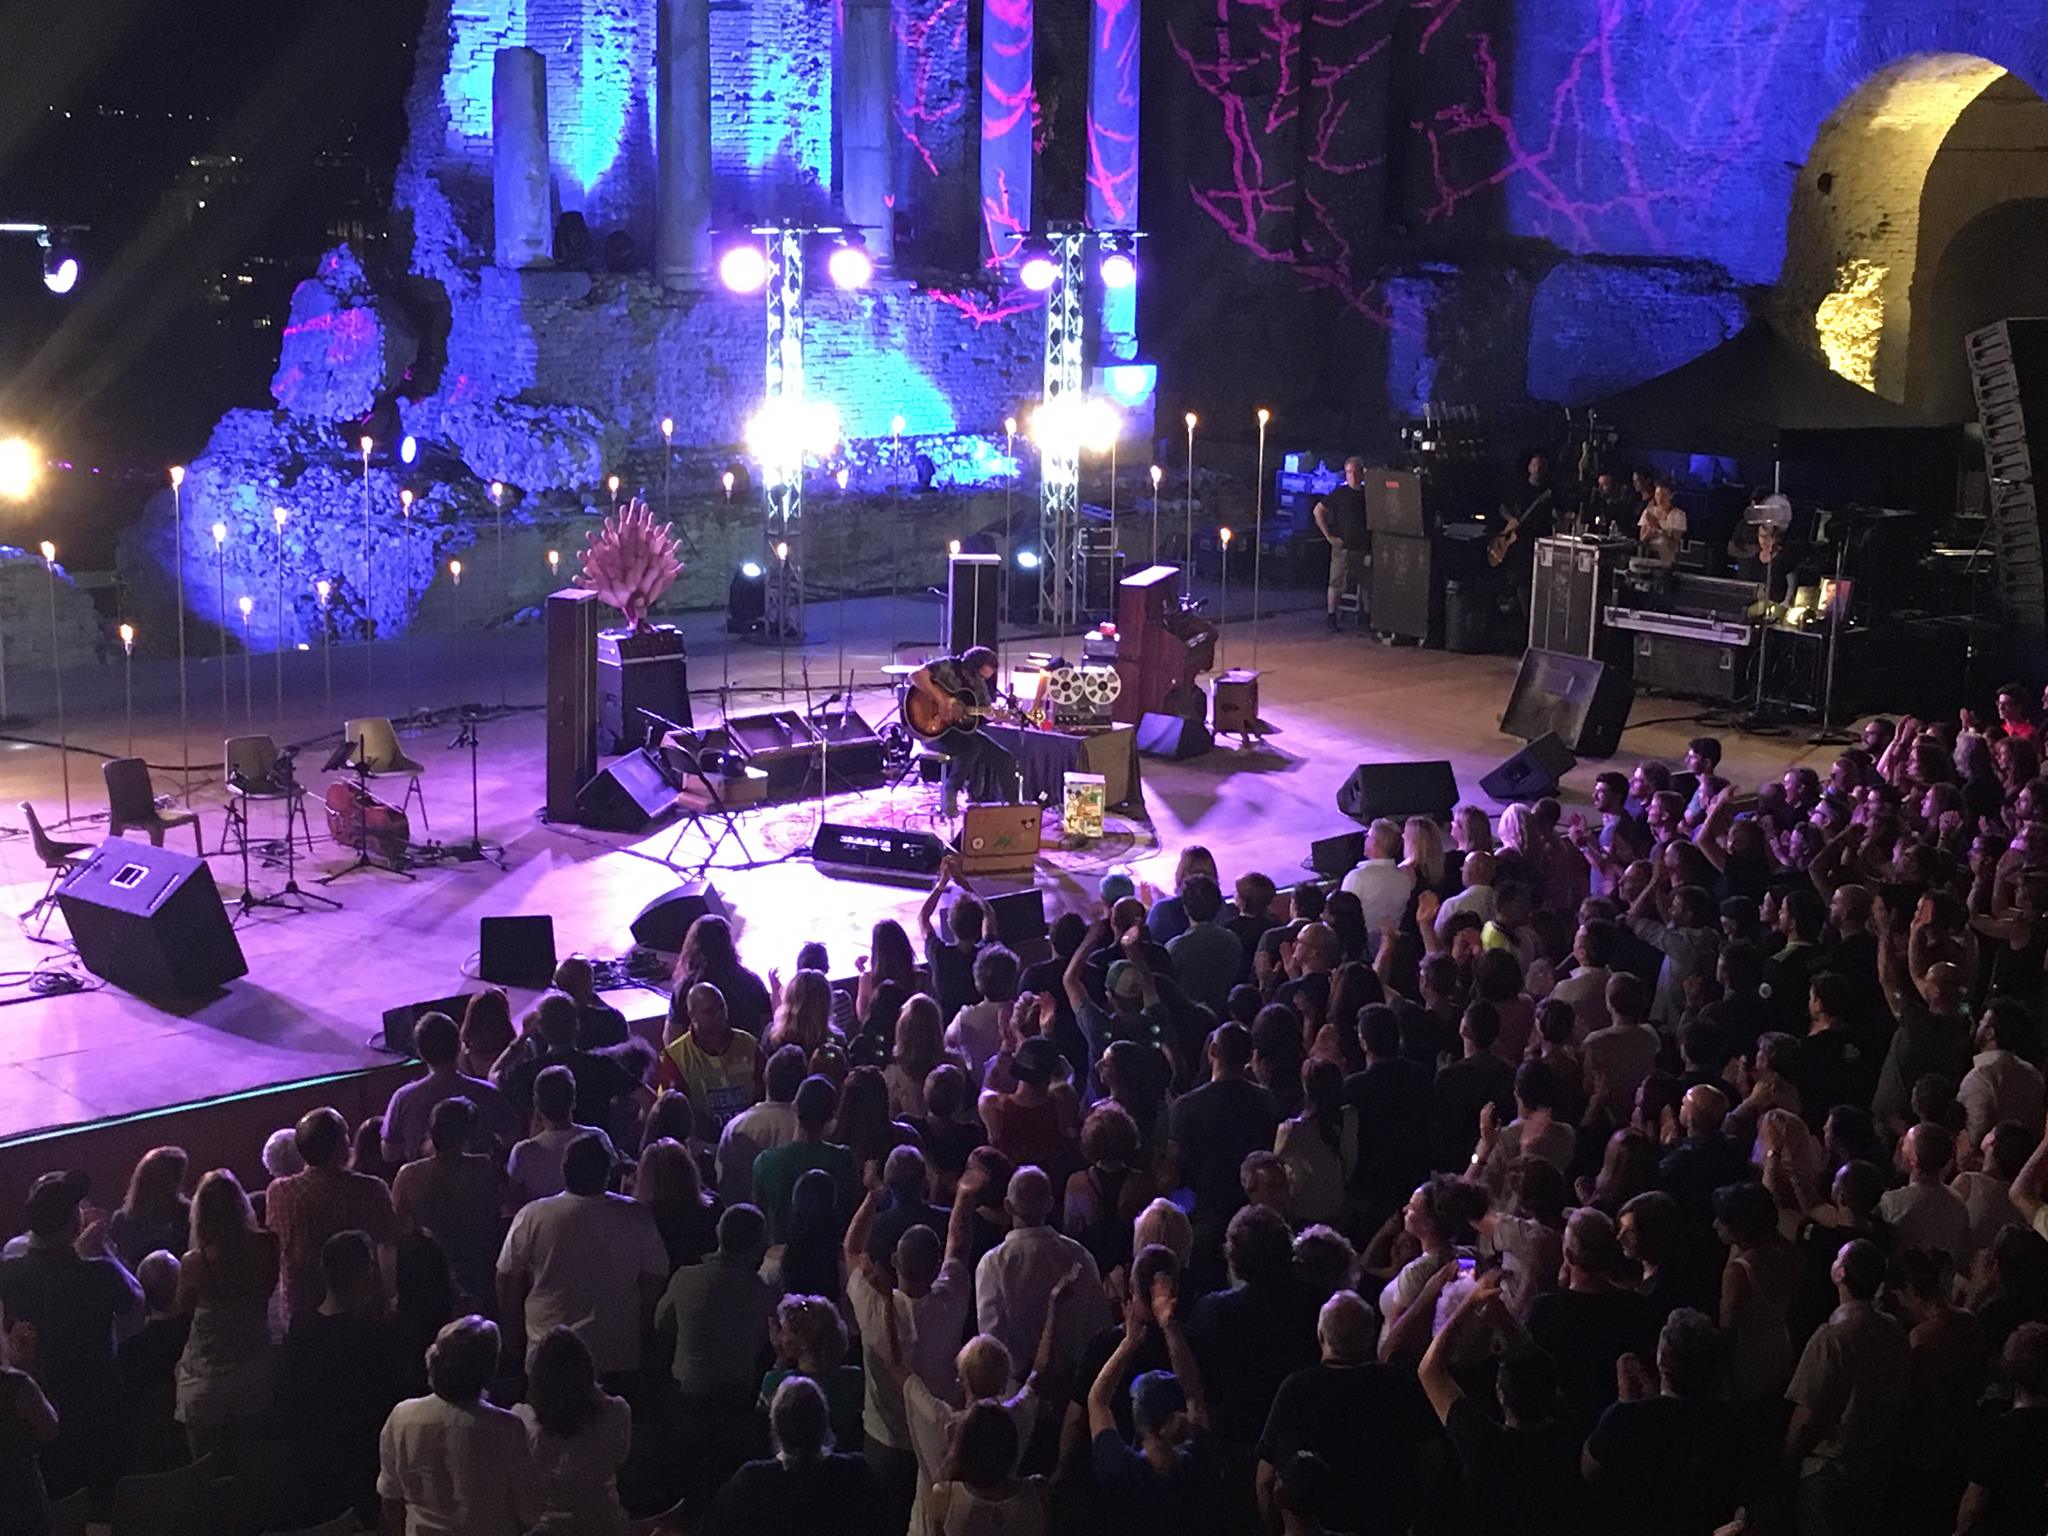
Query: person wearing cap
[[1135, 1009], [1168, 1482], [1027, 1124], [777, 1170], [72, 1294]]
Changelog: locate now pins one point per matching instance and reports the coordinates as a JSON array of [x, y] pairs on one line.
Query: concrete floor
[[318, 984]]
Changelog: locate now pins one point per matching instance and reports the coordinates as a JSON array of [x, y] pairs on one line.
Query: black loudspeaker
[[1399, 790], [1584, 703], [399, 1023], [150, 921], [627, 794], [1171, 736], [895, 854], [516, 951], [664, 920], [1404, 599], [572, 625], [973, 601], [1393, 503], [1533, 772], [1020, 917], [1334, 856]]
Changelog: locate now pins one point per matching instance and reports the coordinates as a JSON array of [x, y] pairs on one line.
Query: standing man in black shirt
[[1341, 517]]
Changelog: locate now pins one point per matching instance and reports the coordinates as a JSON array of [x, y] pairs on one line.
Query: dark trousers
[[976, 764], [895, 1478]]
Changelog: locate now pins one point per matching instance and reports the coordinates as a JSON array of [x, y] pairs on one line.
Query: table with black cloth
[[1045, 758]]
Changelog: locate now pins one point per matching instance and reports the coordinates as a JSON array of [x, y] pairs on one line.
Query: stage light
[[1130, 383], [49, 552], [404, 503], [455, 570], [1027, 559], [612, 485], [1224, 535], [841, 477], [323, 589], [850, 265], [127, 633], [247, 605], [220, 534], [60, 263], [20, 468], [1101, 426], [366, 445], [279, 514], [1039, 271], [953, 548], [1009, 426], [896, 426], [782, 551], [177, 476], [1158, 475], [1190, 419], [783, 431], [726, 480], [743, 268], [751, 569], [1264, 415], [1118, 268], [408, 448], [668, 428], [554, 562]]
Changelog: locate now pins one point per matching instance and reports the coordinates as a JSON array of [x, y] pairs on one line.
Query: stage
[[318, 984]]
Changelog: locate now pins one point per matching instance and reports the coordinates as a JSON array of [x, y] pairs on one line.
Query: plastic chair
[[251, 760], [384, 758], [132, 804], [165, 1504], [58, 858]]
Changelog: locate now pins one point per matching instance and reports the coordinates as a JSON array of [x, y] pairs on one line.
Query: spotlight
[[1119, 269], [1101, 426], [1027, 559], [20, 468], [743, 268], [1039, 271], [783, 431], [746, 598], [60, 263], [751, 569], [850, 264], [408, 448]]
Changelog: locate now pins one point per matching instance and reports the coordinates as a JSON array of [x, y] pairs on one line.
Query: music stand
[[293, 897], [350, 756], [695, 820]]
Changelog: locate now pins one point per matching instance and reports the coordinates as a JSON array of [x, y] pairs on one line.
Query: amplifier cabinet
[[1700, 669], [1569, 590]]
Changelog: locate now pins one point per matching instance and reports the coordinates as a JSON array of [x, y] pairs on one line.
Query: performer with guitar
[[948, 698]]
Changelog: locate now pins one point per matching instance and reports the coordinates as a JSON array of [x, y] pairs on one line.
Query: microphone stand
[[292, 898], [476, 848]]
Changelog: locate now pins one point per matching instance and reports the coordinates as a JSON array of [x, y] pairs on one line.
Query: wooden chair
[[251, 761], [57, 857], [132, 805], [384, 758]]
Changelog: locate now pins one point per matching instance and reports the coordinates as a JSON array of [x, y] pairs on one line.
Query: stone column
[[522, 192], [682, 153], [1113, 155], [867, 101], [1006, 111]]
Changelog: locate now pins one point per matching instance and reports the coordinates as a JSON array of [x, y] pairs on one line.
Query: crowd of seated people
[[1673, 1165]]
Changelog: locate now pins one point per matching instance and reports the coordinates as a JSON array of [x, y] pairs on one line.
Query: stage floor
[[318, 984]]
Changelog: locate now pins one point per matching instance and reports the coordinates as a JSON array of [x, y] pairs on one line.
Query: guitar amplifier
[[1405, 601], [637, 671]]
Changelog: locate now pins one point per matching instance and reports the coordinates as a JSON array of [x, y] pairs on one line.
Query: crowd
[[1673, 1166]]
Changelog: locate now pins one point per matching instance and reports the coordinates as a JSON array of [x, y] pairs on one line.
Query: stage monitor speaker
[[664, 920], [400, 1023], [1019, 917], [1404, 599], [1331, 857], [1399, 790], [573, 620], [628, 795], [1393, 503], [1171, 736], [1533, 772], [150, 921], [974, 599], [1584, 703], [895, 854], [516, 951]]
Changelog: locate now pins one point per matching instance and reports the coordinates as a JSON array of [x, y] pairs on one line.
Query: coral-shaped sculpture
[[630, 562]]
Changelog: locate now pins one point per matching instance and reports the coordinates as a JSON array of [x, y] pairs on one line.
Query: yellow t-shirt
[[719, 1086]]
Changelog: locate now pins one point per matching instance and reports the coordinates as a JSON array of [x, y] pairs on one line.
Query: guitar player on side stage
[[958, 688], [1527, 513]]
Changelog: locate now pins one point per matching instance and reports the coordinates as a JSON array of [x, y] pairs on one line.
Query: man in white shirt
[[1014, 1282], [1586, 988], [1925, 1212], [1477, 897], [534, 1170], [1381, 885], [586, 1259], [1999, 1085], [452, 1463], [761, 1128], [930, 1295]]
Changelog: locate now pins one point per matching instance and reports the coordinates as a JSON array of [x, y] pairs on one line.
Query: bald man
[[1346, 1400], [1934, 1034], [1701, 1162], [1925, 1212], [1013, 1284]]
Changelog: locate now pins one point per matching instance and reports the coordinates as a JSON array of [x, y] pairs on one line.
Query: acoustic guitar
[[928, 718]]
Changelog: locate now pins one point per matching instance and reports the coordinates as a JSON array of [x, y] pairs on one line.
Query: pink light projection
[[1009, 109], [923, 106], [1113, 115]]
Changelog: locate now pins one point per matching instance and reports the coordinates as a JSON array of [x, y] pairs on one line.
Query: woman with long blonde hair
[[920, 1046], [805, 1016], [1422, 855]]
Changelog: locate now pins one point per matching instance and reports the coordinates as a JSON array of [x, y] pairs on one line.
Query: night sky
[[100, 112]]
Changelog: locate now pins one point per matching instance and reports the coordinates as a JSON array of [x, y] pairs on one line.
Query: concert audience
[[1696, 1202]]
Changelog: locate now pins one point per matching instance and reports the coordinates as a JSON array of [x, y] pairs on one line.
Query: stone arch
[[1852, 244]]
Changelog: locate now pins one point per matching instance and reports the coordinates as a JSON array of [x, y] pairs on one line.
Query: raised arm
[[930, 909], [2027, 1193], [1102, 1391], [1434, 1373], [1178, 1355], [1073, 979], [855, 1248]]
